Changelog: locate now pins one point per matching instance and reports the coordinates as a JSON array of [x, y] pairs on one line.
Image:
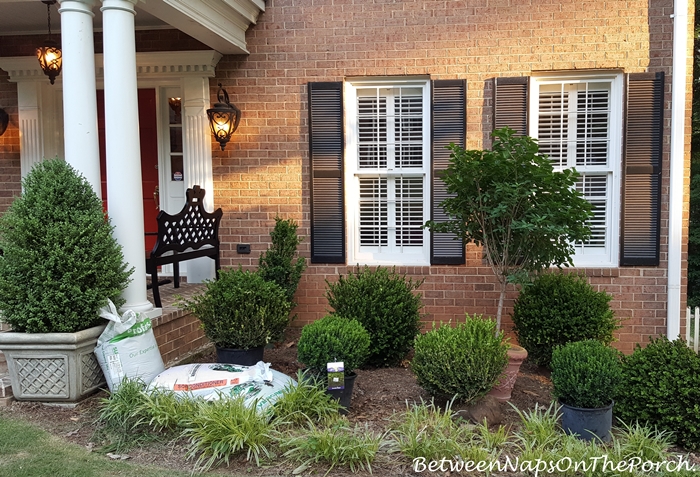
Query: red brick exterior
[[10, 172], [178, 335], [264, 170]]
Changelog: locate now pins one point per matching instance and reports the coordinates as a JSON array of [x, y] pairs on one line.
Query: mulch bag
[[127, 348], [258, 384]]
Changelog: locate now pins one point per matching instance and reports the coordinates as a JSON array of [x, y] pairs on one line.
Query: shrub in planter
[[585, 374], [241, 310], [61, 262], [660, 386], [463, 362], [384, 303], [277, 264], [333, 339], [559, 308]]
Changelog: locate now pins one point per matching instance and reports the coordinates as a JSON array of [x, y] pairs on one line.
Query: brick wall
[[264, 170], [10, 169], [178, 334]]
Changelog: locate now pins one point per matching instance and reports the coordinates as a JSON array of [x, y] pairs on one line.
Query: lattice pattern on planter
[[44, 376], [91, 371]]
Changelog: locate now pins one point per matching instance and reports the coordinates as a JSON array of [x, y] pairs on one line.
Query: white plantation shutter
[[409, 211], [574, 124], [594, 189], [389, 161], [374, 226]]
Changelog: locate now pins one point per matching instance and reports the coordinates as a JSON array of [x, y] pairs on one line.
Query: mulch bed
[[378, 394]]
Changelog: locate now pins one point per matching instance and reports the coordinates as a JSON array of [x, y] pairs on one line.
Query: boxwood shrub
[[384, 303], [241, 309], [559, 308], [61, 262], [462, 362], [585, 374], [331, 339], [661, 387]]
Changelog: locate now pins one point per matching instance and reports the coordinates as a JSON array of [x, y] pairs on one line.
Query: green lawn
[[26, 451]]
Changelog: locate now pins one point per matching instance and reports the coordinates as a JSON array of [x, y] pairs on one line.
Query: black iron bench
[[192, 233]]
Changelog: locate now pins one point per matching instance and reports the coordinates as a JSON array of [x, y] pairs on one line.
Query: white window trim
[[611, 256], [351, 180]]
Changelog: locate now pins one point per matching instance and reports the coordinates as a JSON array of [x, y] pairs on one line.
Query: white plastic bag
[[127, 348], [211, 381]]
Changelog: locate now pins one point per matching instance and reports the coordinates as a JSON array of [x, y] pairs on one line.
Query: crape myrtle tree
[[511, 202]]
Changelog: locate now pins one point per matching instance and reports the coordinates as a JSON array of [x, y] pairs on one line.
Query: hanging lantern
[[49, 55], [223, 118]]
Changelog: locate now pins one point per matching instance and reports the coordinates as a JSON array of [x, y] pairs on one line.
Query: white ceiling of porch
[[28, 17], [220, 24]]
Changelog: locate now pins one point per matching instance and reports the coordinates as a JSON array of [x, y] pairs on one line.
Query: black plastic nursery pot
[[587, 423], [243, 357], [344, 396]]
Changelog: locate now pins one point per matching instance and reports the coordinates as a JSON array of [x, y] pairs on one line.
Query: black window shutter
[[326, 155], [449, 125], [510, 104], [641, 180]]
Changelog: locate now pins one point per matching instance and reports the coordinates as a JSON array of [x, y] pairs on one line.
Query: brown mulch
[[377, 395]]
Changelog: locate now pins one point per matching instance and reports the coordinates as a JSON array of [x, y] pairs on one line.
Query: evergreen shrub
[[384, 303], [585, 374], [559, 308], [60, 262], [332, 339], [462, 362], [278, 264], [660, 387], [241, 310]]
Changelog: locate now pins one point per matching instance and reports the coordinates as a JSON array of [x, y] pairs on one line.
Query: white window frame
[[587, 256], [358, 255]]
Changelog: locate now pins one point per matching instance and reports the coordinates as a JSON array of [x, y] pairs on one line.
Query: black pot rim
[[238, 349], [604, 408]]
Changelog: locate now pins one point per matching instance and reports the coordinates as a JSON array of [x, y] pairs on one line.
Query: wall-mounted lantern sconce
[[4, 120], [223, 118], [49, 55]]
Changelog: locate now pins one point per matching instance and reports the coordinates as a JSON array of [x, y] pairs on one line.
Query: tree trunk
[[501, 298]]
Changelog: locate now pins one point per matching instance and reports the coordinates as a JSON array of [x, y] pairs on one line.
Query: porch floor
[[170, 296]]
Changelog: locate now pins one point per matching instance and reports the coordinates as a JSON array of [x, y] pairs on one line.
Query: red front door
[[148, 134]]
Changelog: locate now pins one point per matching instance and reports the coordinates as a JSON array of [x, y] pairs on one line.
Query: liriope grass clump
[[220, 430], [336, 445], [122, 420], [303, 402], [429, 431]]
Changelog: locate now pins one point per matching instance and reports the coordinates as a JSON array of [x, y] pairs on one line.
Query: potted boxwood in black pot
[[240, 313], [585, 375], [334, 339], [59, 266]]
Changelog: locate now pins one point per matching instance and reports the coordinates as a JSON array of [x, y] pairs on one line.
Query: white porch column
[[31, 149], [81, 142], [124, 195], [197, 155]]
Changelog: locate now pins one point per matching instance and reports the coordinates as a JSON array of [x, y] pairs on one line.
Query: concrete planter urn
[[53, 367]]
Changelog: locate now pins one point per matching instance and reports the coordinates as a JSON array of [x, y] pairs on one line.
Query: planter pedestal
[[53, 367], [503, 390]]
